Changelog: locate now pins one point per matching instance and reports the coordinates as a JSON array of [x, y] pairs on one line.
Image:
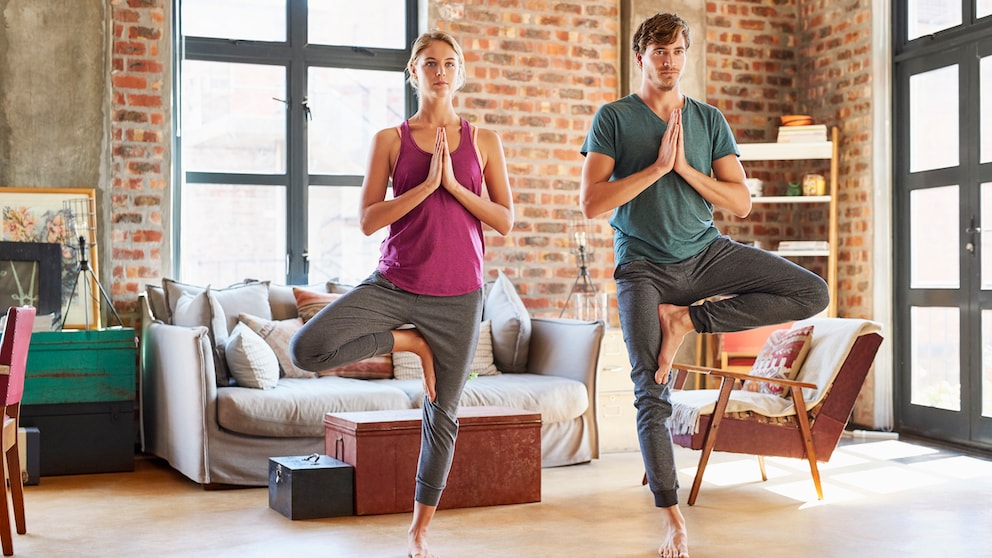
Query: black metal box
[[311, 487]]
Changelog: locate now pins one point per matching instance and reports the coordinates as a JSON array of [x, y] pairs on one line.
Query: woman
[[430, 268]]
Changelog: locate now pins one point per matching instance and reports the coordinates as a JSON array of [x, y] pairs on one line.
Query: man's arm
[[598, 194], [725, 189]]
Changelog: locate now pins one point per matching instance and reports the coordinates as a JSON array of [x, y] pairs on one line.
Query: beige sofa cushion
[[557, 399], [296, 406]]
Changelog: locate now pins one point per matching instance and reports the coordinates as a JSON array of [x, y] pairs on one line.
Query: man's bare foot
[[676, 543], [411, 341], [417, 535], [675, 324]]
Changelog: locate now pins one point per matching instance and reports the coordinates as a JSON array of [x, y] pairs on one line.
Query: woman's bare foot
[[675, 324], [411, 341], [417, 535], [676, 543]]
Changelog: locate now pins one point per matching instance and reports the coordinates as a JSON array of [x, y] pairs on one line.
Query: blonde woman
[[430, 268]]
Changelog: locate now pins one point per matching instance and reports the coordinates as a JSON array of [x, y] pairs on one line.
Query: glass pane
[[338, 248], [936, 369], [257, 20], [232, 117], [985, 107], [933, 119], [983, 8], [361, 102], [986, 363], [369, 23], [929, 16], [933, 238], [985, 242], [232, 232]]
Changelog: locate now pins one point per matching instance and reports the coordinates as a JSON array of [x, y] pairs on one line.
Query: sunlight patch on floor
[[959, 467], [854, 472], [888, 450], [887, 479]]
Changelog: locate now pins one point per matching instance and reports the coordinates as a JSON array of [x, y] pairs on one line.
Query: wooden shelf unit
[[797, 152]]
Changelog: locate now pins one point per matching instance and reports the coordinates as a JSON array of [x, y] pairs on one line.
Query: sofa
[[222, 431]]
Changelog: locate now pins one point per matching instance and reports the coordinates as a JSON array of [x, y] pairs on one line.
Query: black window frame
[[297, 56]]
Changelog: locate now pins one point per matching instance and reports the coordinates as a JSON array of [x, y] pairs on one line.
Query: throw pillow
[[283, 302], [226, 304], [251, 361], [375, 368], [191, 310], [781, 357], [408, 366], [157, 302], [173, 291], [510, 325], [308, 302], [278, 333]]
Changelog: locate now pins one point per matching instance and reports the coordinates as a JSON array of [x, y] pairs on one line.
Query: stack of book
[[803, 245], [802, 134]]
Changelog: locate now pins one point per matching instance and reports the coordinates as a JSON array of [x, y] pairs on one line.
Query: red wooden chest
[[497, 457]]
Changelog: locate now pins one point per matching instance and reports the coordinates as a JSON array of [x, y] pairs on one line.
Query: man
[[661, 162]]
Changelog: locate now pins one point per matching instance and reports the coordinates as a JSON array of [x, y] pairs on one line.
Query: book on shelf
[[802, 134], [802, 245]]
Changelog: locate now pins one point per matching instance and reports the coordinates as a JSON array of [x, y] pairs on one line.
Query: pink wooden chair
[[13, 360]]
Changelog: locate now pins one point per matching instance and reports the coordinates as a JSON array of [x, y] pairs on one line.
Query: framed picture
[[59, 216], [31, 275]]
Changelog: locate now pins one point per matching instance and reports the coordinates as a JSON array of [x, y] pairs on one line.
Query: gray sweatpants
[[767, 290], [359, 325]]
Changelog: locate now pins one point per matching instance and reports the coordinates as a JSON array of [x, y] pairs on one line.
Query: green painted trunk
[[81, 366]]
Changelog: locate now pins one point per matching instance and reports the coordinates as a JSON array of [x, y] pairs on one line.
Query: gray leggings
[[359, 325], [768, 290]]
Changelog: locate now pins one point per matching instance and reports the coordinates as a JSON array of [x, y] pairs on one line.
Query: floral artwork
[[41, 215], [25, 224]]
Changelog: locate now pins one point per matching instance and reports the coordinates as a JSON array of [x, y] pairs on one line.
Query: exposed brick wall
[[140, 138], [835, 62], [537, 71], [801, 57]]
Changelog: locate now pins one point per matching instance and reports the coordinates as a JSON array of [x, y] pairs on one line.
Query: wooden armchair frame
[[811, 433]]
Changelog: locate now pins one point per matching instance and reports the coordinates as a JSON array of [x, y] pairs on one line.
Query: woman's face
[[437, 69]]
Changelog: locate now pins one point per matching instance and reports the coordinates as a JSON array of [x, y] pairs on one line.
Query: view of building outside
[[234, 120]]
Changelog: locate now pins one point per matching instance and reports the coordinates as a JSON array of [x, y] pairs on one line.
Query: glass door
[[942, 135]]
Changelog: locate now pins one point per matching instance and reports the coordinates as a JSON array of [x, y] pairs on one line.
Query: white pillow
[[407, 366], [511, 325], [251, 361]]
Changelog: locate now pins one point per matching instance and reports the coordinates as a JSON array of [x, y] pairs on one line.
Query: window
[[277, 108]]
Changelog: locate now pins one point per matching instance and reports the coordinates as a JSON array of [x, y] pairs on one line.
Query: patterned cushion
[[251, 361], [308, 302], [278, 333], [407, 366], [781, 357]]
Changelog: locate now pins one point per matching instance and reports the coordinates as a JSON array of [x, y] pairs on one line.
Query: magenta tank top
[[437, 248]]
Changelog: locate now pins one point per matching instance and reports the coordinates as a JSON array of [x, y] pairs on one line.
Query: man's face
[[662, 65]]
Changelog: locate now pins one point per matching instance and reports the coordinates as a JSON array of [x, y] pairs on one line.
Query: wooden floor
[[882, 498]]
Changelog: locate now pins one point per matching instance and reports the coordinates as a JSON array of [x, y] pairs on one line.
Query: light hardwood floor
[[882, 498]]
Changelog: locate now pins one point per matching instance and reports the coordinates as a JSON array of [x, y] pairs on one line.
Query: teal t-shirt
[[669, 221]]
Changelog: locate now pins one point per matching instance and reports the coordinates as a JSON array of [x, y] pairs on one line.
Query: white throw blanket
[[832, 341]]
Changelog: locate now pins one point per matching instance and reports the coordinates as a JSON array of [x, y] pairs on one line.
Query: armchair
[[808, 424]]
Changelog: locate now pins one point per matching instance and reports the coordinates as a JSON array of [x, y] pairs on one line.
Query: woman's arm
[[496, 209], [376, 212]]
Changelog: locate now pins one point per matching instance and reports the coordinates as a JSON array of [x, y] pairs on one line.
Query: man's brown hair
[[663, 29]]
